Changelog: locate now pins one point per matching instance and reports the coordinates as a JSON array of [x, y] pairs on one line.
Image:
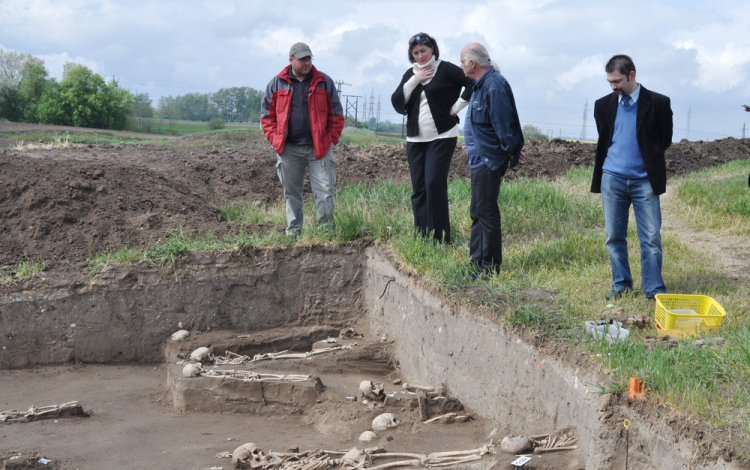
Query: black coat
[[653, 131], [442, 92]]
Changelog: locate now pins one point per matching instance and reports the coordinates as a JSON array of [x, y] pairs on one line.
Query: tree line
[[230, 104], [84, 99]]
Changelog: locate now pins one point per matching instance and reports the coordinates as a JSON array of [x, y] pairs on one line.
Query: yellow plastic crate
[[710, 313], [685, 333]]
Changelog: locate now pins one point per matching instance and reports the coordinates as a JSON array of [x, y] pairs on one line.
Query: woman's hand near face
[[425, 74]]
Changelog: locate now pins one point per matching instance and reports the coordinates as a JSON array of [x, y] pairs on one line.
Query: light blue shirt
[[636, 94]]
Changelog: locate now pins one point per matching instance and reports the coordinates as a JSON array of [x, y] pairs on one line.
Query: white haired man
[[494, 145]]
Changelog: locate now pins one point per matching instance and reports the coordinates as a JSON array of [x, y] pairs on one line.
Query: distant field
[[179, 128]]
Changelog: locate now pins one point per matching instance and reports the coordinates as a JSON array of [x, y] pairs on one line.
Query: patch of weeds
[[170, 250], [539, 319], [254, 213], [446, 265], [614, 388], [103, 260], [372, 212], [55, 142], [26, 269], [243, 242]]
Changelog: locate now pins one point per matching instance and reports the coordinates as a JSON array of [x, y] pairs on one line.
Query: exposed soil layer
[[70, 204]]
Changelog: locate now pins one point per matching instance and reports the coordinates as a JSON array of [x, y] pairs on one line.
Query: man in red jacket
[[302, 118]]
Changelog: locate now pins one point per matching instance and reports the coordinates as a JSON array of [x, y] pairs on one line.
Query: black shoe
[[614, 295], [481, 272]]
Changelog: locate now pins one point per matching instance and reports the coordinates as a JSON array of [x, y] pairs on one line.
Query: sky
[[551, 51]]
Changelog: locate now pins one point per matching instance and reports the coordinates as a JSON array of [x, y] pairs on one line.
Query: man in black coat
[[635, 129]]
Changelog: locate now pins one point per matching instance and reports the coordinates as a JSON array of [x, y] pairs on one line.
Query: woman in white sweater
[[430, 96]]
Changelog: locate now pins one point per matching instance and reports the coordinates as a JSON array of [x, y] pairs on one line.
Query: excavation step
[[229, 389]]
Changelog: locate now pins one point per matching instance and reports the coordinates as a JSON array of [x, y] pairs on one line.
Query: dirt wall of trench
[[127, 314], [500, 374]]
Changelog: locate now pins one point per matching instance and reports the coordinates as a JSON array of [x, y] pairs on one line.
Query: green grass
[[26, 269], [366, 138], [176, 127], [718, 198]]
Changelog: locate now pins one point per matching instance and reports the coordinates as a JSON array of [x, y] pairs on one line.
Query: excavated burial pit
[[126, 316]]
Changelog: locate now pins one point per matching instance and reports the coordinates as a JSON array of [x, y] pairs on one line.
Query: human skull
[[368, 436], [200, 355], [349, 333], [384, 421], [247, 456], [372, 390], [192, 370], [181, 335]]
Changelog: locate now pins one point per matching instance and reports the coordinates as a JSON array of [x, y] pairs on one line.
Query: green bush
[[216, 123]]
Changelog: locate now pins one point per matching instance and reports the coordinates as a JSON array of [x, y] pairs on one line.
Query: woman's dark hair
[[423, 39]]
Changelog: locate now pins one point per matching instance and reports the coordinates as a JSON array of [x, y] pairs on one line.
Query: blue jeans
[[290, 168], [617, 196]]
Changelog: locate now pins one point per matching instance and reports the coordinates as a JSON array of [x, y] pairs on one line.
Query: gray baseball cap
[[300, 50]]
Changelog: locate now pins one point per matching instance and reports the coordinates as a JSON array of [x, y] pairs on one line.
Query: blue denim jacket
[[495, 125]]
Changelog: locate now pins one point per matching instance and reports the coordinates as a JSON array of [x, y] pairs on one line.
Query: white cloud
[[54, 63], [275, 42], [589, 67], [721, 68]]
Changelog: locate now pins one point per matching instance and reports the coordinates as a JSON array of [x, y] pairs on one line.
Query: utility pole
[[743, 130], [372, 105], [339, 83], [377, 116], [585, 117], [690, 112], [352, 104]]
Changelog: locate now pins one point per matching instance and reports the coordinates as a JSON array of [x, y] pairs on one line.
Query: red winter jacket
[[326, 112]]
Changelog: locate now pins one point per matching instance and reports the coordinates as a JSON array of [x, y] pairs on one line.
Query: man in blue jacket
[[494, 144], [635, 129]]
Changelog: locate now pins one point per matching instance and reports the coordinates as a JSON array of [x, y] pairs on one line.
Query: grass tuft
[[26, 269]]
